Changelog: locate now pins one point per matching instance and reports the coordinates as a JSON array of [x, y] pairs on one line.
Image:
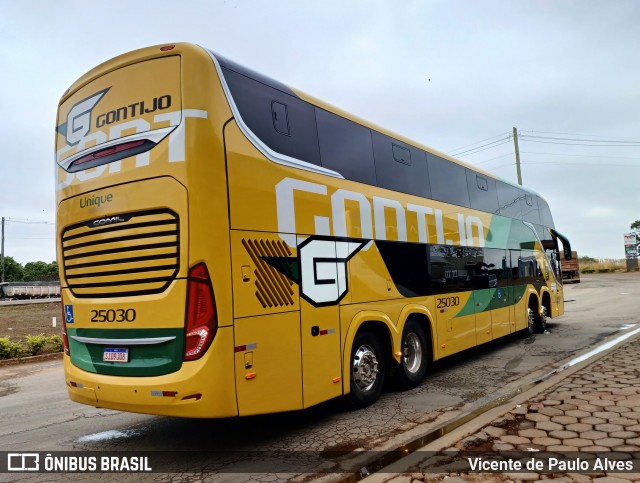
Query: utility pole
[[2, 254], [515, 142]]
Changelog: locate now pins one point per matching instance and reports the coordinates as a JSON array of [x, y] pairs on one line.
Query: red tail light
[[111, 153], [202, 323], [65, 340]]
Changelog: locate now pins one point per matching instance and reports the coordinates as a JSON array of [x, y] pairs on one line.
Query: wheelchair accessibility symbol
[[68, 314]]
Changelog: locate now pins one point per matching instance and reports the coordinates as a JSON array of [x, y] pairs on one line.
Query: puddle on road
[[109, 435], [597, 350]]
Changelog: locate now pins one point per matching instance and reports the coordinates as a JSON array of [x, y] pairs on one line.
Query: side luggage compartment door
[[266, 325]]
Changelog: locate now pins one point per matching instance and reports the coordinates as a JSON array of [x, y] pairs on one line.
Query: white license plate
[[115, 355]]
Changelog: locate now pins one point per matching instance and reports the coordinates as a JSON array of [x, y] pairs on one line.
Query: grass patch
[[603, 265], [27, 330]]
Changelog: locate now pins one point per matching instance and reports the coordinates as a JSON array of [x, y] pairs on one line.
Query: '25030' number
[[446, 302], [113, 315]]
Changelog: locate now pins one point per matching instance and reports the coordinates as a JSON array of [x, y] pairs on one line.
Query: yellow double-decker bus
[[231, 246]]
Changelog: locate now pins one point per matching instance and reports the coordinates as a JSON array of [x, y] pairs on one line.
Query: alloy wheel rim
[[365, 368], [412, 354]]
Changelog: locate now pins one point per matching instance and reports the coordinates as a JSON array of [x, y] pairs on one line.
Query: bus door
[[502, 322], [519, 286], [481, 281], [454, 298], [323, 284]]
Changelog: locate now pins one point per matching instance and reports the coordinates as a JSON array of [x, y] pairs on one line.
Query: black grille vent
[[122, 255]]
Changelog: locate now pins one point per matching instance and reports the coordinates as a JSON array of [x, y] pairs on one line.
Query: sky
[[455, 75]]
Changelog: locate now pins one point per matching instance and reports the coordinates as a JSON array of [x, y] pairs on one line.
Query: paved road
[[36, 415]]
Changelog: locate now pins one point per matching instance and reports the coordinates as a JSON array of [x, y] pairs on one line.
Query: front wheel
[[367, 370], [531, 323], [416, 354]]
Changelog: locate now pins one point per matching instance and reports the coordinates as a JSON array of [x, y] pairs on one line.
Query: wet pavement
[[583, 424]]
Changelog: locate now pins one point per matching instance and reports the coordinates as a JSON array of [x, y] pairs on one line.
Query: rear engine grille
[[122, 255]]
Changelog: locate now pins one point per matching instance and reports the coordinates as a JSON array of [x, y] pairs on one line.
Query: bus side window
[[545, 214], [400, 167], [516, 273], [529, 207], [509, 202], [280, 117], [280, 120], [483, 194], [448, 181], [345, 147]]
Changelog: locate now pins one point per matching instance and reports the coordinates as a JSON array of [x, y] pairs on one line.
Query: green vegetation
[[35, 344], [9, 349], [31, 272], [602, 265]]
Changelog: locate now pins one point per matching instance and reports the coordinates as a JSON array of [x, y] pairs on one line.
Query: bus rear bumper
[[200, 389]]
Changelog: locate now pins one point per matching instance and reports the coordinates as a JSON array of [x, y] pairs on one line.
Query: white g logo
[[78, 122], [323, 269]]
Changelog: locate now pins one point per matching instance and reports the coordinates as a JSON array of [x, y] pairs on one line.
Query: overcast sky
[[446, 73]]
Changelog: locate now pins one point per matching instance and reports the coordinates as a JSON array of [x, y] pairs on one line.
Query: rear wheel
[[541, 320], [367, 370], [416, 354]]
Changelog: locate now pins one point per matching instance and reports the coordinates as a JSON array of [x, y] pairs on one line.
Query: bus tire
[[531, 323], [541, 320], [367, 367], [416, 355]]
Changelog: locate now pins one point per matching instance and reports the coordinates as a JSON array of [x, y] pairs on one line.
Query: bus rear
[[142, 259]]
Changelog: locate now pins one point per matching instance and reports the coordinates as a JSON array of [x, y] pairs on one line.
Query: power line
[[600, 156], [576, 134], [599, 165], [484, 147], [526, 139], [491, 159], [583, 139], [500, 166], [29, 222], [478, 142]]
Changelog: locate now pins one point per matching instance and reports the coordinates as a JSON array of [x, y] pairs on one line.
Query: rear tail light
[[201, 323], [65, 340], [111, 154]]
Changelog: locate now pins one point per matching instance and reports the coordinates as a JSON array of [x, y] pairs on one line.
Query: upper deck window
[[345, 147], [448, 181], [400, 167], [282, 121], [483, 193]]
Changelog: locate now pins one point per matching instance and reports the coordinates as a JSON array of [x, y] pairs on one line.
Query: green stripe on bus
[[480, 300], [144, 360]]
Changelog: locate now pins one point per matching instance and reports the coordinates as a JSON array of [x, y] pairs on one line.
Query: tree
[[13, 271], [40, 272], [635, 225]]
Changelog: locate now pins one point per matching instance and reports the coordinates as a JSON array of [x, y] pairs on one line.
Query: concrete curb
[[28, 360], [476, 424], [482, 420]]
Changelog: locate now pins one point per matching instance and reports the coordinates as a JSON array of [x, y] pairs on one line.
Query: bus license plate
[[115, 355]]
